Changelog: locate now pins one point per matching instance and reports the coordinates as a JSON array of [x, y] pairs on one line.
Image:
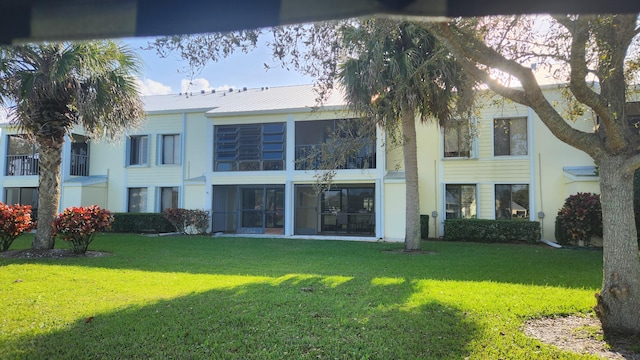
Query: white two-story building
[[236, 153]]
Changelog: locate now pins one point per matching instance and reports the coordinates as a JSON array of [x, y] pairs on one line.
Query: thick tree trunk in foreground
[[618, 304], [410, 154], [48, 191]]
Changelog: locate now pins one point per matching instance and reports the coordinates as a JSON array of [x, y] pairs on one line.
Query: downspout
[[541, 214], [183, 157]]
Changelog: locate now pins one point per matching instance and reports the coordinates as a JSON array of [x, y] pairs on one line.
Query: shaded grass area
[[204, 297]]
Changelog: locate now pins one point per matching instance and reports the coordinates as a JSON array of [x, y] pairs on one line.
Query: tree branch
[[470, 51]]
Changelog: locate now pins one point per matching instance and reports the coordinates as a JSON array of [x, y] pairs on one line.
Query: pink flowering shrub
[[14, 220], [79, 225]]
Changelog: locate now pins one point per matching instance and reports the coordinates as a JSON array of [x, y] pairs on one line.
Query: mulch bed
[[49, 254]]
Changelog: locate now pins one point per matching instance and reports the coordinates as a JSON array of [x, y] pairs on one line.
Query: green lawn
[[239, 298]]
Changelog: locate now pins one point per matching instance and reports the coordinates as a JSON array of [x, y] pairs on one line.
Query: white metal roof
[[243, 101]]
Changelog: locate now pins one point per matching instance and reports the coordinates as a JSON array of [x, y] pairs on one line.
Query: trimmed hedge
[[424, 227], [482, 230], [140, 222]]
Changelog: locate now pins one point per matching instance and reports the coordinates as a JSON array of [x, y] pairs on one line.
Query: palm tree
[[55, 87], [398, 71]]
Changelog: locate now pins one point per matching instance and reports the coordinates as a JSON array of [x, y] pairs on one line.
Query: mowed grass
[[240, 298]]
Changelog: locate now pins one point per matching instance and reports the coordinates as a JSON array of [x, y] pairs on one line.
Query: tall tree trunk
[[410, 154], [618, 304], [48, 191]]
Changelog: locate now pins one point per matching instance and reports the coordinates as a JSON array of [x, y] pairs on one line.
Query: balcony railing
[[26, 165], [22, 165], [79, 165]]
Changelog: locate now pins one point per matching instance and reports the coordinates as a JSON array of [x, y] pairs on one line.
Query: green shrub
[[424, 227], [140, 222], [581, 217], [481, 230]]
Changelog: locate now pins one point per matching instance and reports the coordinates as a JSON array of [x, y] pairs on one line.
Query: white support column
[[381, 171], [290, 166], [533, 212]]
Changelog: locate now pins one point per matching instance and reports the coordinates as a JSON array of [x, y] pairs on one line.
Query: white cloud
[[150, 87], [199, 84]]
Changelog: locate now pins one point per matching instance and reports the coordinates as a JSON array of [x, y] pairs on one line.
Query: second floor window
[[250, 147], [457, 139], [510, 137], [170, 149], [138, 150], [23, 157]]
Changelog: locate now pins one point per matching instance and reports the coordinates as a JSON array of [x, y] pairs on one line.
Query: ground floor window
[[248, 209], [169, 198], [345, 209], [137, 200], [460, 201], [512, 201], [23, 196]]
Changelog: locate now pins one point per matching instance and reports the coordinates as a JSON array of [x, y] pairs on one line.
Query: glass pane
[[273, 128], [168, 198], [170, 149], [501, 142], [312, 132], [503, 201], [12, 196], [273, 155], [468, 202], [520, 201], [137, 200], [19, 146], [306, 215], [331, 201], [519, 136], [453, 202]]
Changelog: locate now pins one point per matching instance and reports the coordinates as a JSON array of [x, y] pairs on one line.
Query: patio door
[[261, 209]]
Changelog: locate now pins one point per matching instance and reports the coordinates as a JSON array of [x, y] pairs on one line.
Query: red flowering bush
[[581, 217], [197, 221], [79, 225], [14, 220]]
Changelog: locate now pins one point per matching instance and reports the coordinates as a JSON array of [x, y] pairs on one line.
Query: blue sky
[[169, 75]]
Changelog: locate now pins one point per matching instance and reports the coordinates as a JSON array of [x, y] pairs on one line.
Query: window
[[460, 201], [512, 202], [352, 144], [137, 200], [510, 137], [23, 196], [138, 150], [348, 209], [457, 140], [170, 153], [251, 147], [23, 157], [79, 156], [168, 198]]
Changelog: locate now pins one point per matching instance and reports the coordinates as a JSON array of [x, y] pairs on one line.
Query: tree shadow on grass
[[260, 321]]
